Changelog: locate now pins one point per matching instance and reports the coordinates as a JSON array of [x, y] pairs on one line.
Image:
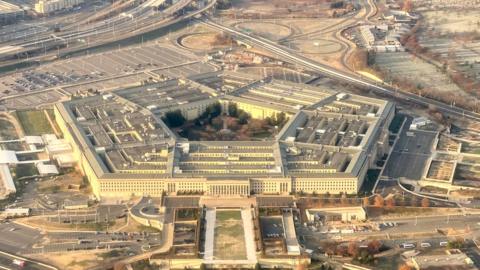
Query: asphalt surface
[[410, 155], [405, 226], [6, 262], [16, 238]]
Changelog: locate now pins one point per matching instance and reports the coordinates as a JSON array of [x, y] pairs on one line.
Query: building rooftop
[[283, 93], [6, 8], [444, 261], [122, 134]]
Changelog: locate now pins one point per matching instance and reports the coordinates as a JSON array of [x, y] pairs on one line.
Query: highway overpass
[[293, 57]]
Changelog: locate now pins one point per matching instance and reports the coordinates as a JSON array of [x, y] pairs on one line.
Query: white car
[[407, 245], [425, 245], [443, 243]]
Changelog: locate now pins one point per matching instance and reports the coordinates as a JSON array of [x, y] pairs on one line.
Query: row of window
[[257, 186]]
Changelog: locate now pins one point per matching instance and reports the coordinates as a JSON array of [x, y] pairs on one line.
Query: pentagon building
[[125, 149]]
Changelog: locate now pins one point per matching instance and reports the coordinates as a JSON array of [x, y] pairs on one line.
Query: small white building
[[46, 169], [419, 122], [8, 157], [452, 260], [17, 212], [337, 213], [65, 160], [293, 248], [75, 204], [58, 146], [6, 182], [37, 140]]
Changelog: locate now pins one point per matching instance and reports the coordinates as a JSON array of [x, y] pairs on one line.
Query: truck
[[19, 263]]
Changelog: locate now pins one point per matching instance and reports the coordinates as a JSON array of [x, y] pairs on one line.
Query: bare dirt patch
[[229, 236], [77, 262], [317, 46], [270, 30], [202, 41]]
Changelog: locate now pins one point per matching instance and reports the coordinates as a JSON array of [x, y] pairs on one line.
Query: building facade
[[126, 150]]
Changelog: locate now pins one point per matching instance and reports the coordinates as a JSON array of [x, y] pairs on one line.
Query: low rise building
[[72, 204], [17, 212], [7, 185], [356, 213], [452, 260], [46, 169]]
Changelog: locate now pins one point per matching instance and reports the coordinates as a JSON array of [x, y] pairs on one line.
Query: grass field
[[7, 130], [24, 170], [186, 214], [229, 243], [34, 122]]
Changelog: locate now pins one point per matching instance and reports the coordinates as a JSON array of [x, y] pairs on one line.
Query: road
[[408, 225], [408, 230], [293, 57], [139, 19], [15, 238], [6, 263]]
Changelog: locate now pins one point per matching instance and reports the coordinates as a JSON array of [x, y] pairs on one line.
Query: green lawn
[[226, 215], [99, 226], [23, 170], [34, 122], [186, 214]]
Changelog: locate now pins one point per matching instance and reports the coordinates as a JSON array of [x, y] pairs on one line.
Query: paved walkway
[[249, 233], [210, 217], [227, 201]]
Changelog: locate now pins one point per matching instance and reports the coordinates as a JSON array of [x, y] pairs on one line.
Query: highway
[[294, 57], [6, 263], [139, 19]]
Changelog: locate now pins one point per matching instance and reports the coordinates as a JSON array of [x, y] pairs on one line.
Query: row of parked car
[[422, 245]]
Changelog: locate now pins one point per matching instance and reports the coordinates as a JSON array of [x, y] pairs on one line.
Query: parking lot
[[102, 71], [33, 100], [271, 227], [410, 155], [16, 238]]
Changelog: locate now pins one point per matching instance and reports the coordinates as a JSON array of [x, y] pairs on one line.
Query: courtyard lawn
[[229, 243], [34, 122]]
